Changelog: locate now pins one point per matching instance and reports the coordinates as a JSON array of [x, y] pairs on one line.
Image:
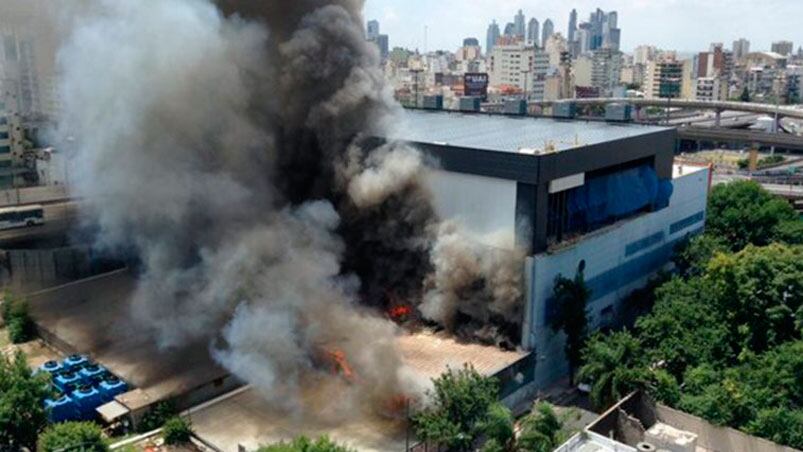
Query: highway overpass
[[718, 106], [748, 137], [59, 221]]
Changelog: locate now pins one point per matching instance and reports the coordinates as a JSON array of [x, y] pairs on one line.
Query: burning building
[[284, 225], [568, 196]]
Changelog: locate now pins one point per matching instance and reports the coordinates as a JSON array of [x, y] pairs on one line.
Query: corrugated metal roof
[[510, 133]]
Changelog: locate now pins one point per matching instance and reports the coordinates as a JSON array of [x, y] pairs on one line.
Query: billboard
[[476, 85]]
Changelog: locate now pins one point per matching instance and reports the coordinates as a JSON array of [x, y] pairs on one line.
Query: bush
[[18, 321], [177, 430], [304, 444], [156, 417], [71, 436]]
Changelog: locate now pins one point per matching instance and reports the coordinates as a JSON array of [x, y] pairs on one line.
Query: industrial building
[[601, 198]]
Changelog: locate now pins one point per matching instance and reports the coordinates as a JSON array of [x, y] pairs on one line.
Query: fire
[[341, 365], [400, 312]]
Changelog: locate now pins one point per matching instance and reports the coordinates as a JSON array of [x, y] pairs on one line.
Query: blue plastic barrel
[[65, 380], [87, 398], [51, 367], [92, 371], [62, 409], [74, 361], [112, 387]]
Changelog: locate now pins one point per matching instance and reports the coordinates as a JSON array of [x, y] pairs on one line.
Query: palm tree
[[614, 366]]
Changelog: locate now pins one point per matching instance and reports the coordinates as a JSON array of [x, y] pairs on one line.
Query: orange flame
[[341, 364], [400, 312]]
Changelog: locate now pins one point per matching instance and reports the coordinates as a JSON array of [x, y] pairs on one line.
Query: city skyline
[[665, 24]]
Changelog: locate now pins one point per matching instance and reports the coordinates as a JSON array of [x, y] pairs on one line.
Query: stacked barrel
[[79, 387]]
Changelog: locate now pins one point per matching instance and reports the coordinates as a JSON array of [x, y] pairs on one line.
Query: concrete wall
[[33, 195], [484, 206], [712, 437], [618, 260], [51, 266]]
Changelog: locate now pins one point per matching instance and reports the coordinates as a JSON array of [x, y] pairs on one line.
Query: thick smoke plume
[[228, 153]]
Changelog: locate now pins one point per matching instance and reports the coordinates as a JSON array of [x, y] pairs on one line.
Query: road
[[59, 219]]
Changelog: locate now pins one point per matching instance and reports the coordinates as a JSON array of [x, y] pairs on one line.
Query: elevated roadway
[[781, 140], [719, 106]]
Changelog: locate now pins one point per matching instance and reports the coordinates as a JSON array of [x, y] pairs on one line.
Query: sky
[[682, 25]]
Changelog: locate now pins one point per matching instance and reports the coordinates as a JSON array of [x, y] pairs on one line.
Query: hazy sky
[[683, 25]]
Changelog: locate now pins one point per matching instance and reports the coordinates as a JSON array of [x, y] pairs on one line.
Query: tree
[[457, 409], [571, 298], [15, 315], [684, 328], [72, 436], [177, 430], [304, 444], [156, 417], [614, 366], [790, 232], [22, 396], [759, 292], [745, 97], [542, 430], [743, 213], [780, 425], [692, 257], [498, 428]]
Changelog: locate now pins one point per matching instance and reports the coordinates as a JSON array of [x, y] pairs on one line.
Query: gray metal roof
[[510, 133]]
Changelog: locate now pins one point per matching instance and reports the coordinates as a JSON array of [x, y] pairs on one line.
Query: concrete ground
[[92, 317]]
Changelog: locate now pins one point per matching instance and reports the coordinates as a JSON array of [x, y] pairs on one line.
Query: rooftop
[[516, 134]]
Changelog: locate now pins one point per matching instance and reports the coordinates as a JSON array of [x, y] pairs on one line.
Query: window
[[687, 222], [5, 149], [3, 135], [3, 121]]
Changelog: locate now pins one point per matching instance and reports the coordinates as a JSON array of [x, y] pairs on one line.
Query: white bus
[[16, 217]]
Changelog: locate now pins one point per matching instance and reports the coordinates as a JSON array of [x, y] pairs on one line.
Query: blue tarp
[[605, 199]]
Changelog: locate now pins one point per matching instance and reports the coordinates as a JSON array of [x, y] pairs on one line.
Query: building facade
[[663, 79], [512, 65]]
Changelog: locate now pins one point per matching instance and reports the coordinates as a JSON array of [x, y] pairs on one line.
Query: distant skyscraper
[[471, 42], [785, 48], [519, 24], [510, 30], [572, 32], [533, 31], [492, 37], [373, 30], [547, 32], [741, 48]]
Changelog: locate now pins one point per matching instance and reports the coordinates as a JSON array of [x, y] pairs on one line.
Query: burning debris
[[230, 153]]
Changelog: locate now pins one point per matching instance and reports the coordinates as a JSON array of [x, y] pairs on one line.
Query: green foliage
[[22, 395], [684, 328], [15, 315], [541, 430], [571, 297], [779, 425], [498, 426], [156, 417], [614, 367], [745, 97], [459, 404], [790, 232], [177, 430], [742, 213], [72, 436], [692, 257], [304, 444]]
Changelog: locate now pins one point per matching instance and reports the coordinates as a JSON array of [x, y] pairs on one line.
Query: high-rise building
[[512, 65], [373, 30], [664, 79], [741, 48], [470, 51], [784, 48], [510, 30], [644, 54], [519, 24], [572, 31], [600, 69], [601, 30], [547, 31], [533, 32], [491, 37]]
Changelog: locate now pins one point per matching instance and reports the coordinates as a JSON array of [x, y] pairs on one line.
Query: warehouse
[[601, 198]]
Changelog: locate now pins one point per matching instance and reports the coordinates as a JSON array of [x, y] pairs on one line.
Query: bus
[[16, 217]]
